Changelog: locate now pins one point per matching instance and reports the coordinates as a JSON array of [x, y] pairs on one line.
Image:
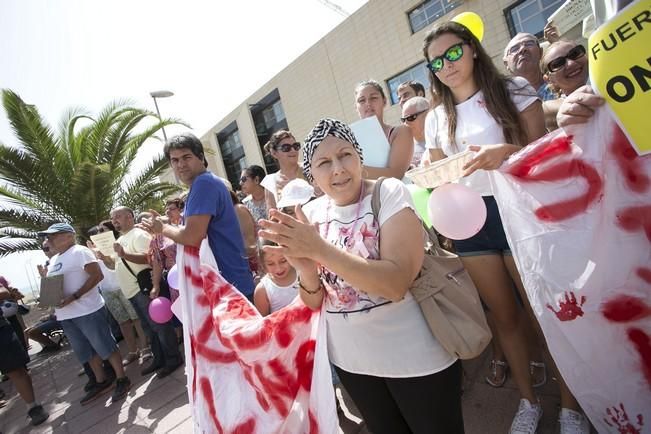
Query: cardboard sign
[[51, 292], [374, 143], [620, 70], [571, 13], [104, 242]]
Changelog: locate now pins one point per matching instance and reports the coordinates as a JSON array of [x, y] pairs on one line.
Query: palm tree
[[75, 174]]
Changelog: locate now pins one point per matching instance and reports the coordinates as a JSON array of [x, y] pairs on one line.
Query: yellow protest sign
[[620, 69]]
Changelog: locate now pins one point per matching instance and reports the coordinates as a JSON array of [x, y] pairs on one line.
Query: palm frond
[[9, 245]]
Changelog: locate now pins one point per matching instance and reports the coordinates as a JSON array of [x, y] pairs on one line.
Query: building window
[[429, 11], [417, 73], [530, 16], [268, 117], [232, 153]]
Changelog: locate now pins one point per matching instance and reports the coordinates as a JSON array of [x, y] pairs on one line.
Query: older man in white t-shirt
[[82, 313]]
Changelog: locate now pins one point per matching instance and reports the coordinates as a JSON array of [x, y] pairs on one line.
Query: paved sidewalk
[[161, 405]]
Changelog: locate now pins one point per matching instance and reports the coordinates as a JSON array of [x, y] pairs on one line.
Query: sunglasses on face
[[560, 62], [452, 54], [529, 43], [286, 147], [243, 179], [411, 118]]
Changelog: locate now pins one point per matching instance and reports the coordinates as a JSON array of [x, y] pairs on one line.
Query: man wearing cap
[[208, 212], [81, 312]]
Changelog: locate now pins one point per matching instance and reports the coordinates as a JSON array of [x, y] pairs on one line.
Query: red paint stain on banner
[[625, 308], [525, 169], [642, 343], [635, 218], [630, 163]]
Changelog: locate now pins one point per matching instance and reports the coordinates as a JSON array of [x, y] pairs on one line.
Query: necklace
[[357, 212]]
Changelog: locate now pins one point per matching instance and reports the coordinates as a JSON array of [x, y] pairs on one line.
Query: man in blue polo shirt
[[208, 211]]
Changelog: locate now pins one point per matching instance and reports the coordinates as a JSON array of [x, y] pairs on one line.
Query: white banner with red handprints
[[249, 374], [577, 214]]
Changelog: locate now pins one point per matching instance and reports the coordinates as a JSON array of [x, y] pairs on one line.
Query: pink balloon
[[456, 211], [160, 310]]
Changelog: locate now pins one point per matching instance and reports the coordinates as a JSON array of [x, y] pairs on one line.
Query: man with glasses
[[414, 113], [522, 59], [82, 314], [209, 211]]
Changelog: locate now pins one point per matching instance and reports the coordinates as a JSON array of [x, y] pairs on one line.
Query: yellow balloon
[[473, 22]]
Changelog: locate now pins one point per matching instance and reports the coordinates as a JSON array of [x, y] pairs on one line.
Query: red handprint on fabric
[[618, 418], [569, 307]]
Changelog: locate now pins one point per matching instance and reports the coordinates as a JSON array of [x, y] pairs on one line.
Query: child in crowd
[[279, 286]]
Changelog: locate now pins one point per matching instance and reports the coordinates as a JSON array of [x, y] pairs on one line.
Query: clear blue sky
[[211, 54]]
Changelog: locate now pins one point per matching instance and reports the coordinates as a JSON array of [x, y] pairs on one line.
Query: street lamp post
[[160, 94]]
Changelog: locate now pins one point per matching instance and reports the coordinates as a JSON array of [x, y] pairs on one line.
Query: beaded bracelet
[[316, 291]]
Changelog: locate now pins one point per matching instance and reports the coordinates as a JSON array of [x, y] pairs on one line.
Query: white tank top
[[279, 296]]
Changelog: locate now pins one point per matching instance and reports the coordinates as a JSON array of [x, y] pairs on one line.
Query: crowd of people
[[308, 230]]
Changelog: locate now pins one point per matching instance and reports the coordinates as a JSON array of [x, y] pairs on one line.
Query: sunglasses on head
[[452, 54], [411, 118], [560, 62], [529, 43], [286, 147]]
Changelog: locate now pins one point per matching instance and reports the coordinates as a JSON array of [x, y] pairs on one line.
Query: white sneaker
[[573, 422], [526, 419]]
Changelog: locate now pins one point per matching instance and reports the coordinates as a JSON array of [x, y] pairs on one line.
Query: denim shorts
[[490, 240], [90, 334]]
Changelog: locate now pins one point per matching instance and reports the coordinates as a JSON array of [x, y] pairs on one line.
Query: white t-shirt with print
[[136, 241], [71, 264], [475, 126], [368, 334]]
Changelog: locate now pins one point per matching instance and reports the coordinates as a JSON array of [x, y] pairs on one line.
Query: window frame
[[455, 3], [393, 77], [510, 22]]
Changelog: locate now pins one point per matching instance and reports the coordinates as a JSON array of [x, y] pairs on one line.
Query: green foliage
[[77, 173]]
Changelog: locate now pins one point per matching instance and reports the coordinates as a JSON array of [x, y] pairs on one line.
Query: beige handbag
[[447, 297]]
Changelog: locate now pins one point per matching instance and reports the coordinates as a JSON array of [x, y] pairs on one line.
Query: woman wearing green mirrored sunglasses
[[495, 116]]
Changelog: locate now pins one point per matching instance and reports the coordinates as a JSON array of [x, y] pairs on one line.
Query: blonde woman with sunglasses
[[284, 148]]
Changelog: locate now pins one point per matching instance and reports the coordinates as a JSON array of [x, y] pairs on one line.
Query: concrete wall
[[375, 42]]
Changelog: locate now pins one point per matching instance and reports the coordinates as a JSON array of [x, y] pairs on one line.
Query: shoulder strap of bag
[[376, 203], [129, 268]]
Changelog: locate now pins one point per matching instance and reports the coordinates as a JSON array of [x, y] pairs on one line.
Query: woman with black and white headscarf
[[399, 376]]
